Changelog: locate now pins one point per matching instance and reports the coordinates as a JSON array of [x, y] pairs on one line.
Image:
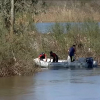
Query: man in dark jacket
[[71, 52], [54, 56]]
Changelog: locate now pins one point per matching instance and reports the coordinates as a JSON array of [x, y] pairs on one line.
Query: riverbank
[[19, 55], [21, 63]]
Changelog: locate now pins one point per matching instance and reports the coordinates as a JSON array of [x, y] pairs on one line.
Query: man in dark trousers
[[54, 56], [42, 56], [71, 52]]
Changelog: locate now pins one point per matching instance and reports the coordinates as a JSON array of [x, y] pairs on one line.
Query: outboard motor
[[89, 61]]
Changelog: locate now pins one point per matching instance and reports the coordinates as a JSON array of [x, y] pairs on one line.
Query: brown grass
[[74, 13]]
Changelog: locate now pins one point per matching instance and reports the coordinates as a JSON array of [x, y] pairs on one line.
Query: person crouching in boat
[[71, 53], [42, 56], [54, 56]]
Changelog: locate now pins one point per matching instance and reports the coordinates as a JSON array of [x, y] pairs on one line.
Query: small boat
[[80, 63], [50, 65]]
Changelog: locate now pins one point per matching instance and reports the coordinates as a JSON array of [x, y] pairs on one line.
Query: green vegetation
[[18, 51]]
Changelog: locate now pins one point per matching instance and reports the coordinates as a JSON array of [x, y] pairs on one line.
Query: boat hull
[[64, 64]]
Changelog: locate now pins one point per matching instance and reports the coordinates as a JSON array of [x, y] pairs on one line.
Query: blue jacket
[[71, 51]]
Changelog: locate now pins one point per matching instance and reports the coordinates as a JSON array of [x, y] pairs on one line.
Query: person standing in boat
[[42, 56], [54, 56], [71, 52]]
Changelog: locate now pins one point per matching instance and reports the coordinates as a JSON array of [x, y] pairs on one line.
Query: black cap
[[50, 51], [74, 45]]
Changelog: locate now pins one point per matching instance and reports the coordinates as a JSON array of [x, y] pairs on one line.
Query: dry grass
[[74, 13]]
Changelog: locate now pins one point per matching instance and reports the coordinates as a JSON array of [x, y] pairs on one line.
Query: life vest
[[53, 55], [42, 55]]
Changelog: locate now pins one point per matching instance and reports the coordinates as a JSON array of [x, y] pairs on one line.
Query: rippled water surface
[[53, 85]]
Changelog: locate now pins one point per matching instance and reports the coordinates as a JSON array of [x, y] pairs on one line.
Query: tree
[[12, 18], [9, 8]]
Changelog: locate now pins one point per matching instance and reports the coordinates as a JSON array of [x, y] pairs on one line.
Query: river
[[64, 84], [66, 26]]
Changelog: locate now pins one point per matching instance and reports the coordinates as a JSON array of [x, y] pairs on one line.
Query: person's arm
[[68, 51], [45, 58], [74, 51], [39, 57]]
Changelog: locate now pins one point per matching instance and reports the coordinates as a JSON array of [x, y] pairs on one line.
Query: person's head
[[51, 52], [43, 53], [74, 46]]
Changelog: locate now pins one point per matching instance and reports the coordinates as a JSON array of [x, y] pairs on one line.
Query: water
[[47, 27], [53, 85]]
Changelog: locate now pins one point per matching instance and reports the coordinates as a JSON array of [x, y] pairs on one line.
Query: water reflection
[[15, 86], [53, 85]]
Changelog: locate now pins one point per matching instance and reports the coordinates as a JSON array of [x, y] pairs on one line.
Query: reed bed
[[73, 12]]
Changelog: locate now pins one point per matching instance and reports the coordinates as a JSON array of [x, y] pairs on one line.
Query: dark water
[[53, 85]]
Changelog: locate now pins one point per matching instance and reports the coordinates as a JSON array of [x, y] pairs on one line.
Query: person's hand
[[39, 59], [45, 59]]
